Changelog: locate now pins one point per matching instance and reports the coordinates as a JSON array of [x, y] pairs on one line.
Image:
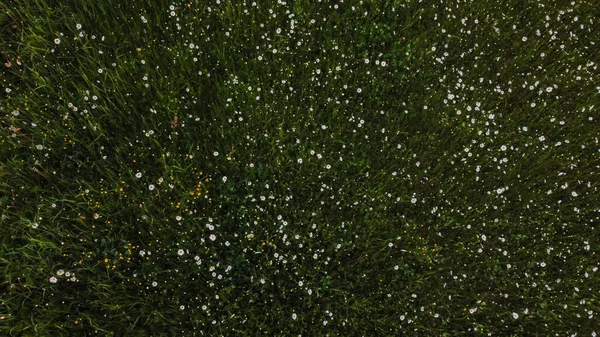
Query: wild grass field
[[299, 168]]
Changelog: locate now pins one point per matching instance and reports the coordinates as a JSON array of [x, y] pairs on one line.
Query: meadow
[[299, 168]]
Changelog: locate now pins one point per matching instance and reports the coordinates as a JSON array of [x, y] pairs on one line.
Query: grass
[[315, 168]]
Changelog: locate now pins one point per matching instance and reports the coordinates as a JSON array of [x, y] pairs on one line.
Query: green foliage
[[371, 168]]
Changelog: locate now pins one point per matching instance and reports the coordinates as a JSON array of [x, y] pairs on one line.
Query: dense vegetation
[[351, 168]]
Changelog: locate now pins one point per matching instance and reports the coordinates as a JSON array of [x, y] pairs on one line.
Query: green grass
[[448, 180]]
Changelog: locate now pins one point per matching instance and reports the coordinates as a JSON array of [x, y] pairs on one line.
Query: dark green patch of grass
[[366, 168]]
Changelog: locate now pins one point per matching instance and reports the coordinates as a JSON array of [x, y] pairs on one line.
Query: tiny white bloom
[[100, 71], [53, 279], [154, 284], [515, 315], [180, 252], [213, 237], [57, 41], [182, 307], [224, 179], [299, 160], [151, 187], [138, 175]]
